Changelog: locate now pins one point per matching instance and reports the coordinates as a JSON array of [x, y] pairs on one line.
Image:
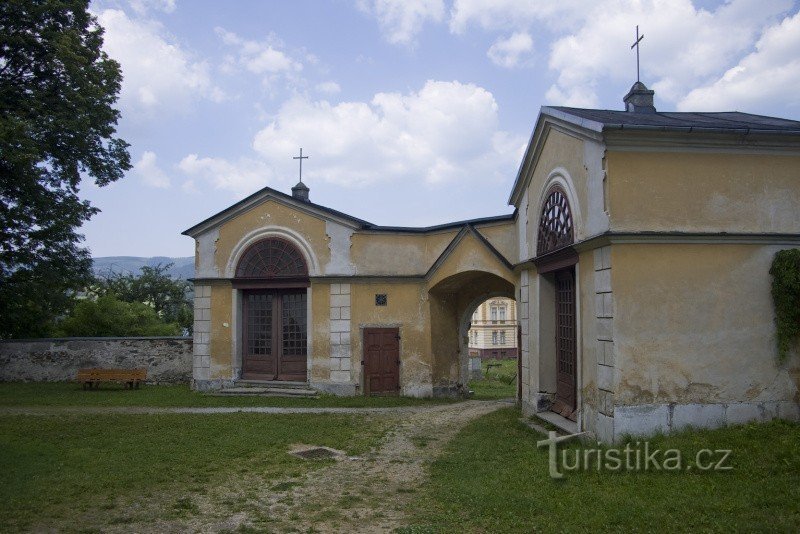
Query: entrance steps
[[269, 388]]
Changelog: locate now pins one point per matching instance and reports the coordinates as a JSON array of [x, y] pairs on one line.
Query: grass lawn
[[492, 478], [71, 394], [499, 380], [87, 472]]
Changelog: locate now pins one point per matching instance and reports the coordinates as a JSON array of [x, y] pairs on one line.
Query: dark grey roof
[[729, 121], [360, 223]]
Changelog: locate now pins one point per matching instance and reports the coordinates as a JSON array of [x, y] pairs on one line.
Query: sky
[[412, 112]]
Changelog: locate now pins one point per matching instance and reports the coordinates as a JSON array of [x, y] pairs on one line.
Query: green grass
[[493, 478], [499, 381], [71, 394], [76, 472]]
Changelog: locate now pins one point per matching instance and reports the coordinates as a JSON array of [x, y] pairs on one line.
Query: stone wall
[[167, 359]]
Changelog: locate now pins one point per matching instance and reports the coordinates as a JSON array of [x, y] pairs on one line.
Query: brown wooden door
[[381, 361], [566, 352], [274, 335]]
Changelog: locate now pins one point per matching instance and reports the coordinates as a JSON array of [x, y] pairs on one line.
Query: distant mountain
[[182, 268]]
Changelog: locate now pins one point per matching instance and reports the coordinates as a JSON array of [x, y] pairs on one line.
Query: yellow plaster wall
[[221, 340], [503, 237], [560, 150], [407, 307], [271, 213], [694, 323], [703, 192], [397, 254]]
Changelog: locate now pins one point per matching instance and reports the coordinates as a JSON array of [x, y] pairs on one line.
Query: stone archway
[[452, 302]]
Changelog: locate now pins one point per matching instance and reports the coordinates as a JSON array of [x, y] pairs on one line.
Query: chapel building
[[637, 254]]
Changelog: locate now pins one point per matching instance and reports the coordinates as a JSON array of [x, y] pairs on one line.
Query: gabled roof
[[468, 229], [729, 121], [597, 123], [267, 193], [264, 194]]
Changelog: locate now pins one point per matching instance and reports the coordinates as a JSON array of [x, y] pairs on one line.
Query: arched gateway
[[272, 276]]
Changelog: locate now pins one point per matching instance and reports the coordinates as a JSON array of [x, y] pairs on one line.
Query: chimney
[[300, 192], [639, 99]]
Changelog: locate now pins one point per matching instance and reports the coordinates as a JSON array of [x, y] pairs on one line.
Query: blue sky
[[413, 112]]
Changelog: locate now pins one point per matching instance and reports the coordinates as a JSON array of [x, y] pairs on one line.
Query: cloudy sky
[[413, 112]]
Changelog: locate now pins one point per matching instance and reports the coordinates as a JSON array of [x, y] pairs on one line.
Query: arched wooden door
[[273, 277]]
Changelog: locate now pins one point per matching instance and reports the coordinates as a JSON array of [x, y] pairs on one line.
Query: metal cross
[[636, 44], [301, 157]]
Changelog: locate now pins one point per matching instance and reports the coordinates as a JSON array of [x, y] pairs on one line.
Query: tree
[[57, 126], [109, 316], [154, 287]]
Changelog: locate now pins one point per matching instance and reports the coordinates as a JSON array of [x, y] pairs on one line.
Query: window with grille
[[555, 223], [503, 337], [272, 258]]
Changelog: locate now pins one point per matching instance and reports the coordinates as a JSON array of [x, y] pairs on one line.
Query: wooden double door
[[381, 361], [566, 345], [274, 334]]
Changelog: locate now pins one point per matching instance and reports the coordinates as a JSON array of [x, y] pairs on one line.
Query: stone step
[[268, 392], [270, 384]]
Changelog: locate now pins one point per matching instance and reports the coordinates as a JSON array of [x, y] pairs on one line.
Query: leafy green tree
[[110, 317], [57, 127], [167, 296]]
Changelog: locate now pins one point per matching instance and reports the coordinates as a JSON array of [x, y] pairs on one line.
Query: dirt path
[[368, 494]]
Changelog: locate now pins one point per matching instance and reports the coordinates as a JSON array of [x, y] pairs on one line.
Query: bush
[[785, 273], [110, 317]]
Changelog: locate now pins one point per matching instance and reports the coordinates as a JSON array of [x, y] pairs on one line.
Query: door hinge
[[397, 337], [362, 362]]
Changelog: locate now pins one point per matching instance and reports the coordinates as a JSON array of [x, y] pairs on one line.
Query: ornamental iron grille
[[272, 258], [555, 224]]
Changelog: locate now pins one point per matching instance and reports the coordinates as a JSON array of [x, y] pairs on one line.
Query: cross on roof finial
[[636, 44], [301, 157]]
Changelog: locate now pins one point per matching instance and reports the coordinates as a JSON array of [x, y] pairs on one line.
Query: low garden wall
[[167, 359]]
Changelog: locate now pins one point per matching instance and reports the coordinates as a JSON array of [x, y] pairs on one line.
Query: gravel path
[[369, 494]]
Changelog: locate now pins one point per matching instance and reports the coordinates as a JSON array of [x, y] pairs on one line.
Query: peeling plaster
[[339, 244]]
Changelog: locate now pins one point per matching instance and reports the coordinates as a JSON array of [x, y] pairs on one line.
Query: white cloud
[[141, 7], [515, 14], [444, 132], [329, 87], [509, 52], [402, 20], [259, 57], [241, 177], [148, 170], [768, 75], [684, 46], [158, 75]]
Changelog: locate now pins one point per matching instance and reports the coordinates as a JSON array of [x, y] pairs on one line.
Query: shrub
[[785, 273]]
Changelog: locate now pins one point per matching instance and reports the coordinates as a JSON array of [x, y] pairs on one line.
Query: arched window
[[272, 258], [555, 224]]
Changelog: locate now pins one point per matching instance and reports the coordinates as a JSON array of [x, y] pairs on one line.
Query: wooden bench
[[91, 378]]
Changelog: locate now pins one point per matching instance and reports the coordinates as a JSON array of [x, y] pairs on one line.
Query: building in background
[[493, 330]]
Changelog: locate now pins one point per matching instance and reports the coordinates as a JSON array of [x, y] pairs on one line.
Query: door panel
[[275, 335], [381, 361], [566, 353], [259, 360], [292, 362]]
